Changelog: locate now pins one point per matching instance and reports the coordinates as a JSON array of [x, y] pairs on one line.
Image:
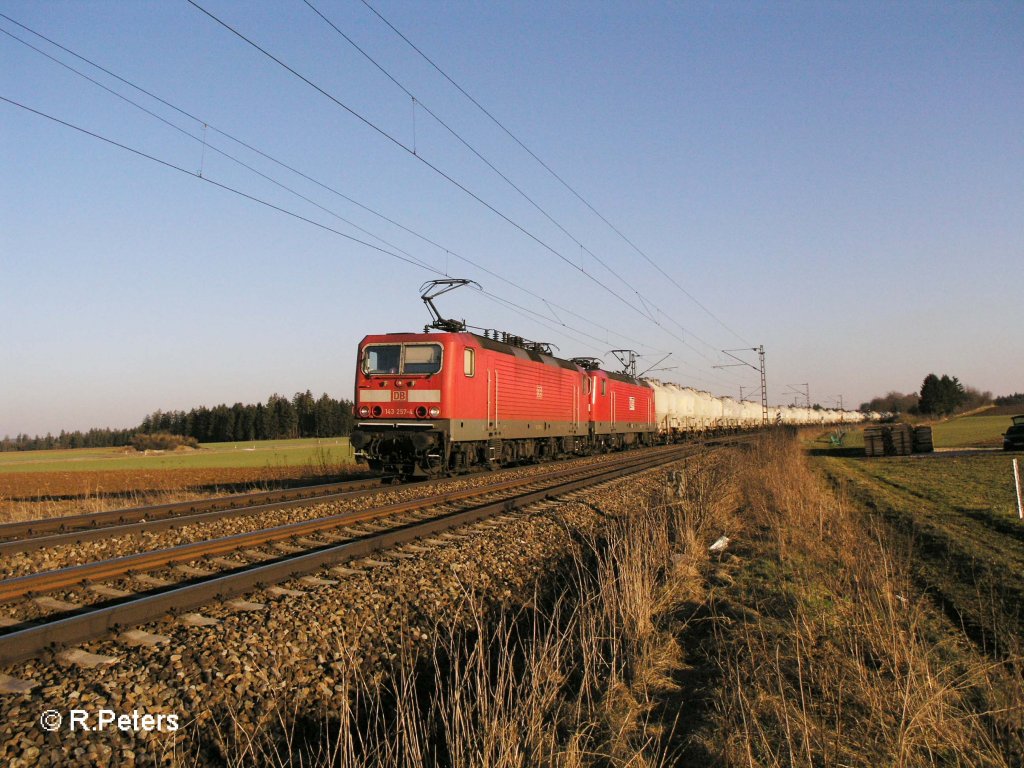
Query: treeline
[[892, 402], [278, 418], [943, 396], [939, 396], [1017, 398], [94, 438]]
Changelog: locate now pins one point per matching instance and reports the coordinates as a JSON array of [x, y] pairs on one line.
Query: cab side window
[[469, 361]]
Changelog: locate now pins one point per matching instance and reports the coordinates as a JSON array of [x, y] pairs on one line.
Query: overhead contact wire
[[214, 128], [397, 142], [476, 153], [226, 187], [412, 259], [207, 145], [444, 175], [553, 173], [645, 303], [278, 162], [252, 198], [298, 172]]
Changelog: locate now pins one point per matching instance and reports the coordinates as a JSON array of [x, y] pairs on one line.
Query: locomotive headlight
[[434, 412], [364, 411]]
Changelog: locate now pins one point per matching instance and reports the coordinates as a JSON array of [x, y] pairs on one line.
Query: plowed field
[[35, 486]]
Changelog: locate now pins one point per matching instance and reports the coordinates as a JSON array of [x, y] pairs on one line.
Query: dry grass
[[574, 676], [45, 507], [806, 643], [837, 659]]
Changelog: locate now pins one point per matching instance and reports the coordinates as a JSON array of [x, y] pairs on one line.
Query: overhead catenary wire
[[462, 140], [645, 303], [207, 145], [400, 144], [411, 259], [213, 128], [538, 318], [253, 198], [397, 142], [553, 173], [290, 168], [249, 197], [217, 184]]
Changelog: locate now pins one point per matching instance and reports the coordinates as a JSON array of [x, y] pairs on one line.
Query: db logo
[[399, 394]]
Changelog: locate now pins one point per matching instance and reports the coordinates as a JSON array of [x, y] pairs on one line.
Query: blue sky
[[843, 183]]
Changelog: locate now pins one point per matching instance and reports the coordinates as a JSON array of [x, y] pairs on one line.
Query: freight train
[[428, 404]]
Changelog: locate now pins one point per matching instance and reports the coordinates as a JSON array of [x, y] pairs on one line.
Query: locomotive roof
[[511, 349], [523, 354]]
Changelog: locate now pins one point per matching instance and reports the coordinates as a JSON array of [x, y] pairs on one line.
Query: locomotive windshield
[[383, 358], [402, 359], [421, 358]]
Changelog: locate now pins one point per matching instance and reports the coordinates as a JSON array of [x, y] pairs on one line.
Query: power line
[[223, 133], [411, 259], [537, 317], [644, 302], [265, 203], [417, 101], [226, 187], [442, 173], [292, 169], [550, 170], [206, 145], [397, 142]]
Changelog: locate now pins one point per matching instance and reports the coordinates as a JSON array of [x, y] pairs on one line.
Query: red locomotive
[[622, 409], [429, 403]]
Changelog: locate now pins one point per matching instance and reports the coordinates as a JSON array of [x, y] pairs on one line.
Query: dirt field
[[1001, 410], [38, 484], [35, 486], [31, 495]]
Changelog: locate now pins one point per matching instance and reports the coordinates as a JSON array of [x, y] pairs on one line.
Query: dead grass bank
[[828, 654], [577, 673], [806, 643]]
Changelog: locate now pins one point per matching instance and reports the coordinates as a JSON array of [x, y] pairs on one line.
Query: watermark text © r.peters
[[82, 720]]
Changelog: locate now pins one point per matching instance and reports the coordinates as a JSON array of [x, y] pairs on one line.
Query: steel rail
[[27, 536], [72, 576], [88, 522], [29, 642], [177, 521]]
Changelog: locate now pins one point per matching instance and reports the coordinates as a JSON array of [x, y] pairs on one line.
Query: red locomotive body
[[621, 409], [430, 402]]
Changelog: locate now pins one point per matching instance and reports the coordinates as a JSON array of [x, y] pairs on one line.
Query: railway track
[[35, 534], [180, 578]]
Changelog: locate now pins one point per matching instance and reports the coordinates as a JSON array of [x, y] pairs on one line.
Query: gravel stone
[[240, 665]]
